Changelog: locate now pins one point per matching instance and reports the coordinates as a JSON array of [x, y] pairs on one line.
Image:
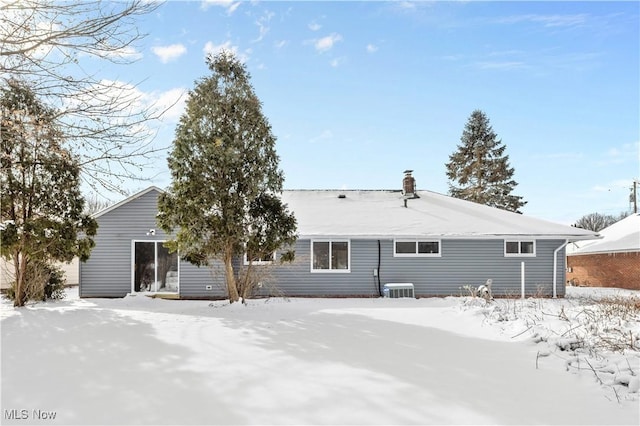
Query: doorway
[[154, 268]]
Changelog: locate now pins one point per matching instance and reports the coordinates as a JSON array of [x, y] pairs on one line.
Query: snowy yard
[[455, 360]]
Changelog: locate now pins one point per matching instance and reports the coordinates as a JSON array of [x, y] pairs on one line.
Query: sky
[[358, 92]]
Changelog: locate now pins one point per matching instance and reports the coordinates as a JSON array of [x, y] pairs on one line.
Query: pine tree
[[479, 170], [224, 195], [42, 214]]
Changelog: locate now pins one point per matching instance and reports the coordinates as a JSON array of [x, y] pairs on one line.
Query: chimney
[[408, 185]]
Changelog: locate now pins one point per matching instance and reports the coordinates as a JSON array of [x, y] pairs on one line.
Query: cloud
[[500, 65], [628, 152], [314, 26], [280, 44], [169, 53], [326, 43], [324, 136], [210, 48], [229, 5], [263, 26], [171, 103], [406, 5], [546, 20], [372, 48], [336, 62]]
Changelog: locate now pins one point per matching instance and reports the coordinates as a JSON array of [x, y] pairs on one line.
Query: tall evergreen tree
[[224, 196], [42, 214], [479, 170]]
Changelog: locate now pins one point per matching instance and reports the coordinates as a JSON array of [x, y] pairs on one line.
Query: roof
[[622, 236], [381, 213]]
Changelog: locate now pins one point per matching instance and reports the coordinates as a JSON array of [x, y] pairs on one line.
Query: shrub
[[42, 282]]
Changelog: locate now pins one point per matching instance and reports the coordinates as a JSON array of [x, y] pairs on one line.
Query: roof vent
[[408, 185]]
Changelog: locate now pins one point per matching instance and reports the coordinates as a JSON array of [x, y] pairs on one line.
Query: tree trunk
[[230, 278], [20, 272]]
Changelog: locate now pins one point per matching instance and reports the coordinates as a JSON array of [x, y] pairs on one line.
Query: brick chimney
[[408, 185]]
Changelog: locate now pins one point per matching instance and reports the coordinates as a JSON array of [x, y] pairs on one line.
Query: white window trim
[[416, 241], [331, 271], [519, 254], [259, 262]]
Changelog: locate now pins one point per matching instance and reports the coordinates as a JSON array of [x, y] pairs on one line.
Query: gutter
[[555, 268]]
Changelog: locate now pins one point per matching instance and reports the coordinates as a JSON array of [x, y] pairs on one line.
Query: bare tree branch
[[106, 123]]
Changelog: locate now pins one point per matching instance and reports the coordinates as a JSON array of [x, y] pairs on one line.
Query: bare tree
[[596, 222], [105, 122]]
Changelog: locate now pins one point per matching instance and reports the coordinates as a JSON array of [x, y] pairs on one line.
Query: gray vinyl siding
[[463, 262], [296, 279], [472, 262], [194, 280], [107, 273]]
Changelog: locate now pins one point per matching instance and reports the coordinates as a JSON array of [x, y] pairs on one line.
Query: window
[[260, 260], [520, 248], [330, 256], [414, 248]]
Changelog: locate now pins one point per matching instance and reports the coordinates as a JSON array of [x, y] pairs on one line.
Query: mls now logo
[[16, 414]]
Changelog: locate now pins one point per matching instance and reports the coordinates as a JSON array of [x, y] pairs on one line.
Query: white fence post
[[522, 278]]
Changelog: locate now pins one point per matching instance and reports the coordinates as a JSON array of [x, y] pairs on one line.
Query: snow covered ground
[[456, 360]]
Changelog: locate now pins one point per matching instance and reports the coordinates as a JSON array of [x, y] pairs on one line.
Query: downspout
[[555, 268], [379, 290]]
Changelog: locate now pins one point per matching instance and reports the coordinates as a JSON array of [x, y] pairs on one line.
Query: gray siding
[[108, 271], [463, 262], [296, 279]]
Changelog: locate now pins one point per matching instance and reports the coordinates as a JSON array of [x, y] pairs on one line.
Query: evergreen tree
[[479, 170], [42, 214], [224, 196]]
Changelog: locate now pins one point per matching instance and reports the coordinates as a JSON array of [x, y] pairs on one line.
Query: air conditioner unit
[[398, 290]]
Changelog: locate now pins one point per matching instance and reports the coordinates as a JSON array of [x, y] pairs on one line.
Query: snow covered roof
[[622, 236], [381, 213]]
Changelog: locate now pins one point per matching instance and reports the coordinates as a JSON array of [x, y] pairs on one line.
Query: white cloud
[[372, 48], [628, 152], [500, 65], [263, 26], [546, 20], [171, 103], [280, 44], [314, 26], [169, 53], [324, 136], [210, 48], [229, 5], [326, 43]]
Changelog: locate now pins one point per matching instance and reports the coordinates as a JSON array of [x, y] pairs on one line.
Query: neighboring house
[[71, 272], [351, 243], [613, 261]]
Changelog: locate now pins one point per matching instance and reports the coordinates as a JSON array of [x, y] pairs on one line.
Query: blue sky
[[357, 92]]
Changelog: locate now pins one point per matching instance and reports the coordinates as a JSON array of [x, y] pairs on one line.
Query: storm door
[[154, 268]]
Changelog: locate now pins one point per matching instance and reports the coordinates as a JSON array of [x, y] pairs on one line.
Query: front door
[[154, 268]]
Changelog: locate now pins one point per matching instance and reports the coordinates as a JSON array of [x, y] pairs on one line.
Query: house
[[351, 243], [70, 269], [613, 261]]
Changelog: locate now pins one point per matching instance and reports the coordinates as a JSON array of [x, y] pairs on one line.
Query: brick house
[[613, 261]]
